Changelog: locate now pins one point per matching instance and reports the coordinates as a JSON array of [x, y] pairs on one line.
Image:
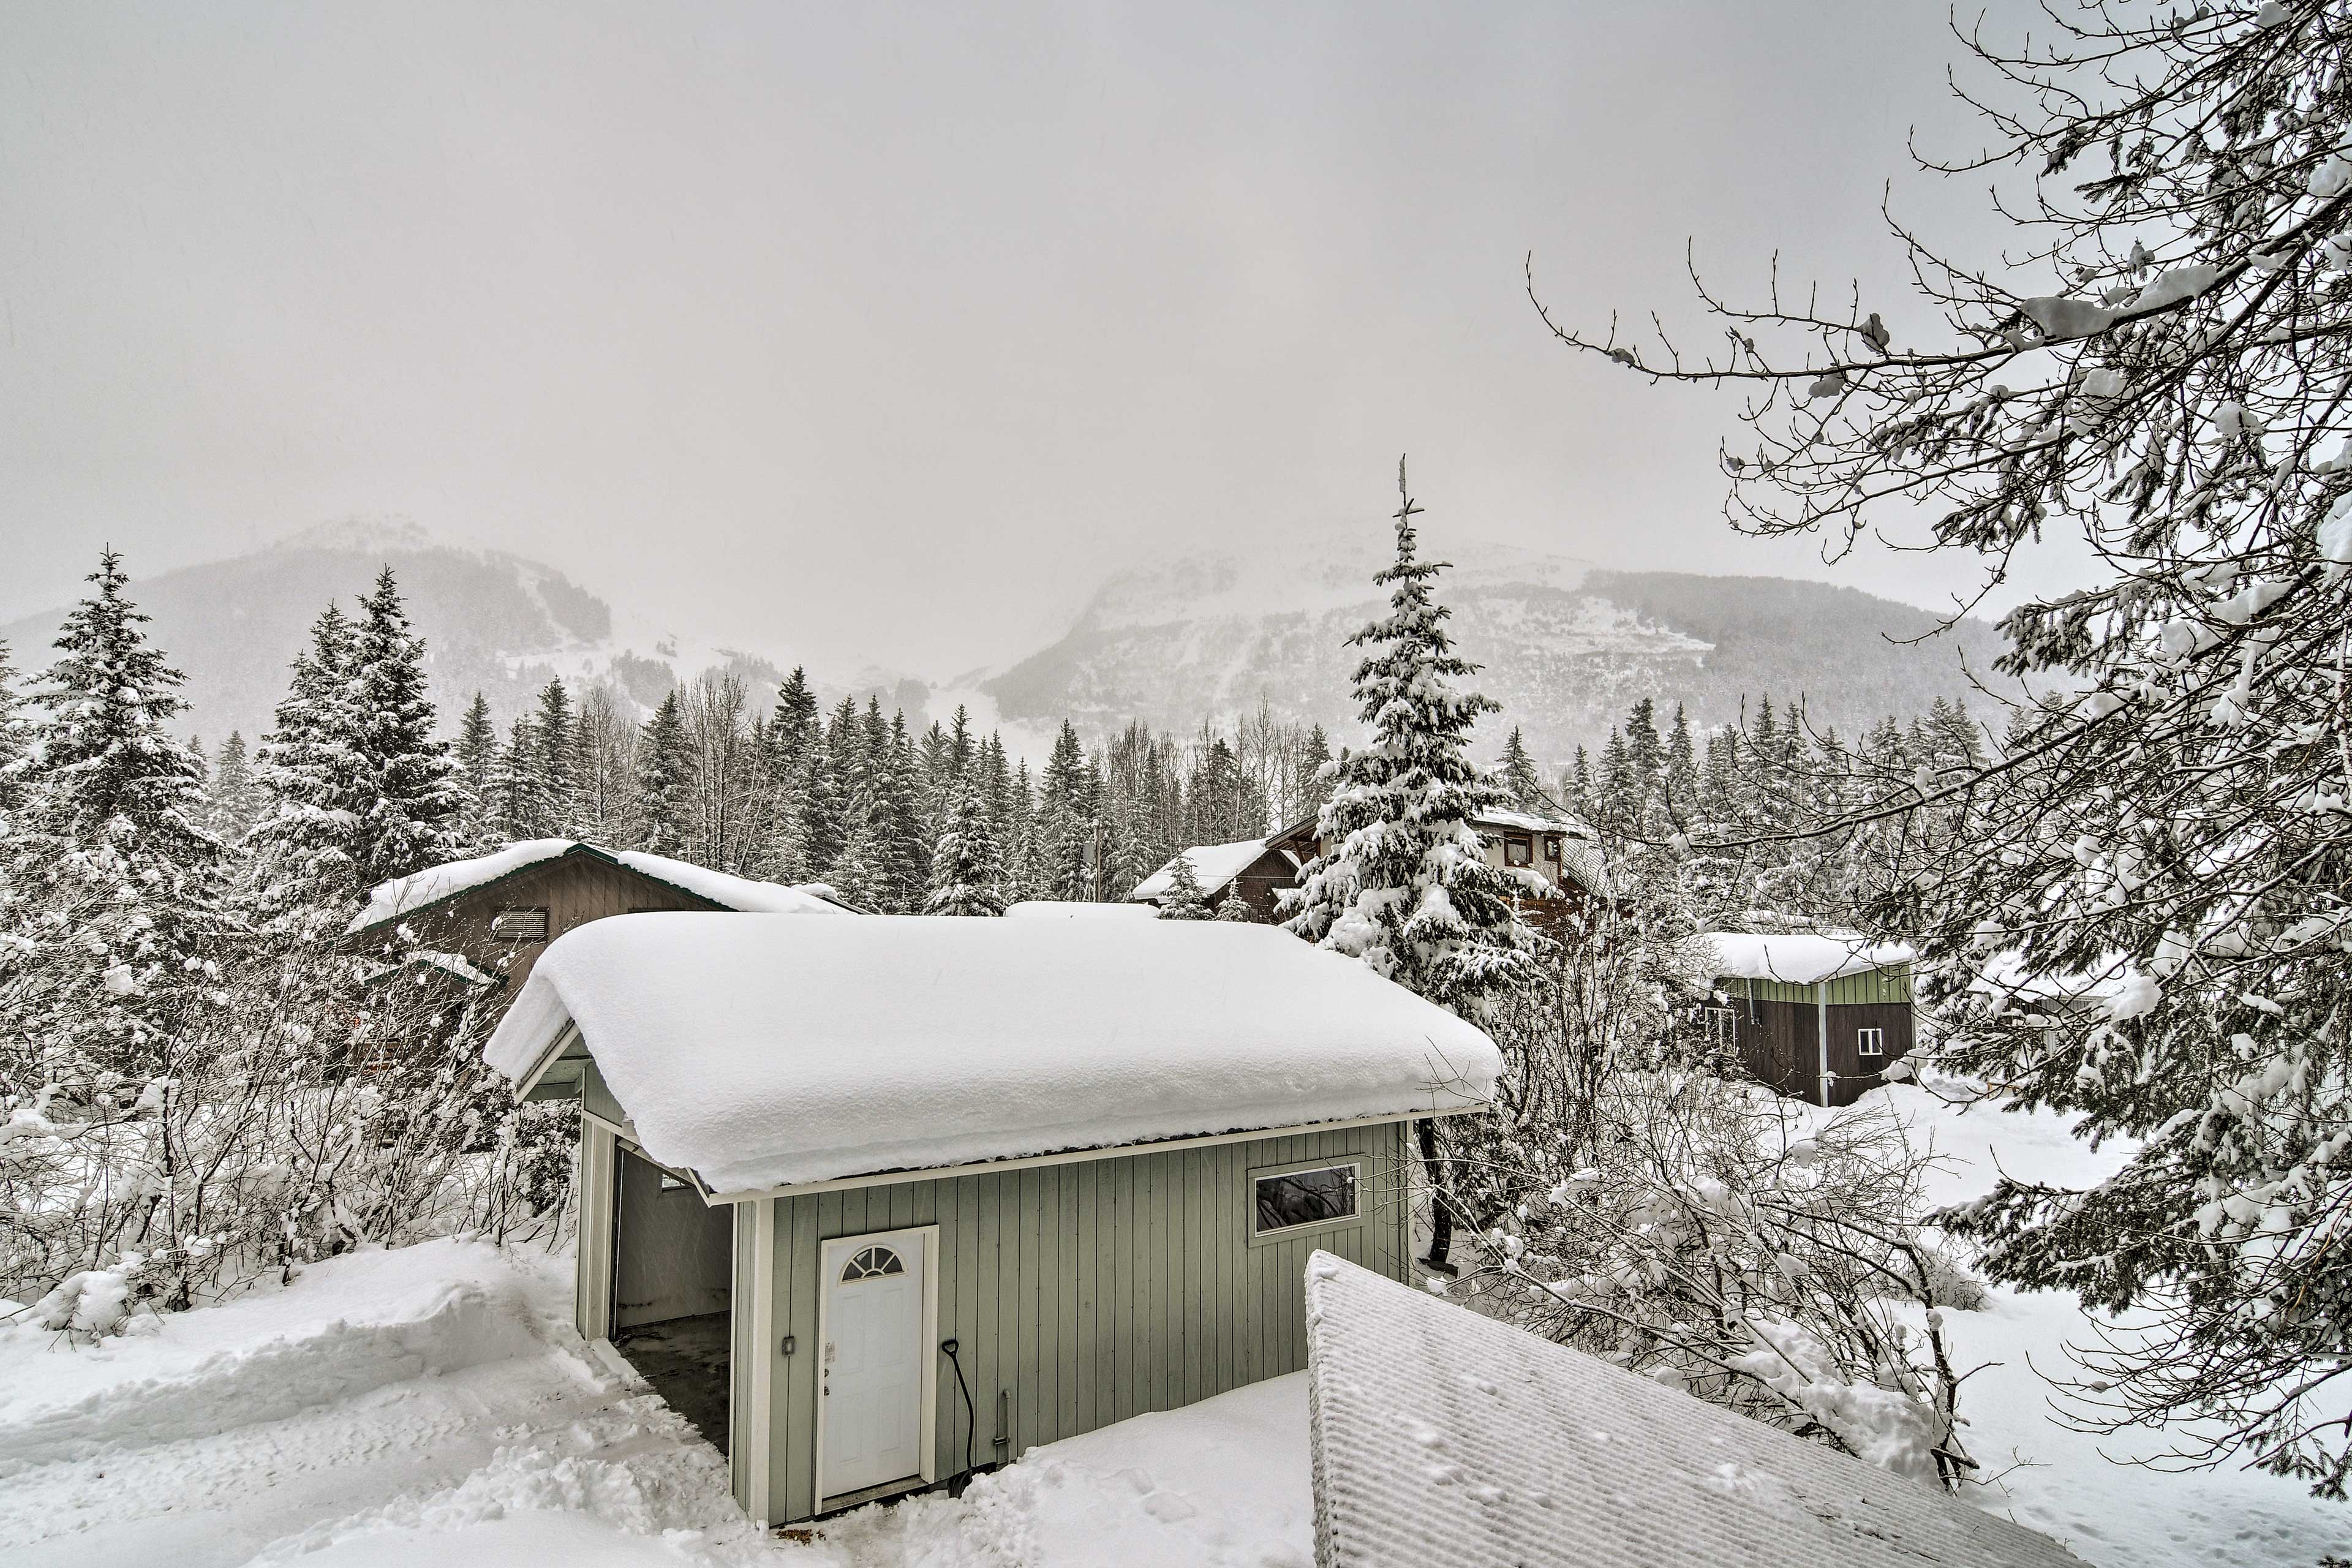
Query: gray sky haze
[[883, 334]]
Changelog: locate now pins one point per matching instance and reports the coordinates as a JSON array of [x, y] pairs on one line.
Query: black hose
[[970, 1415]]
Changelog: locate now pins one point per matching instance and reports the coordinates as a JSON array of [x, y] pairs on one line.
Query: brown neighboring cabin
[[497, 912], [1817, 1017]]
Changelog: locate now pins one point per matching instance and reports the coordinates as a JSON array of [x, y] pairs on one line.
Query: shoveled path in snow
[[434, 1405]]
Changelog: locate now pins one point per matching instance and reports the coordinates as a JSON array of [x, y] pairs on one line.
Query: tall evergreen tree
[[413, 819], [478, 772], [233, 797], [967, 875], [112, 848], [553, 758], [521, 786], [1521, 777], [306, 866], [16, 744], [1405, 885], [665, 781]]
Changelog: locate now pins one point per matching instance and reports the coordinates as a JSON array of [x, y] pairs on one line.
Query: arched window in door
[[872, 1263]]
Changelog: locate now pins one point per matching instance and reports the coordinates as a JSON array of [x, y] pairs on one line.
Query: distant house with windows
[[1561, 850], [880, 1202], [487, 918], [1818, 1016]]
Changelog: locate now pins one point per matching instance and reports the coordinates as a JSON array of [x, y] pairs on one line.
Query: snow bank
[[760, 1052], [1213, 865], [1223, 1482], [346, 1326], [1800, 959]]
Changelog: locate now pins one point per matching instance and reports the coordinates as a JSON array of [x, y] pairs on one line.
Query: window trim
[[1551, 846], [1862, 1037], [1518, 844], [1352, 1158], [546, 923], [1721, 1023]]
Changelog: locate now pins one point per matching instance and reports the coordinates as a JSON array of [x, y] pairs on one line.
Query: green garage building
[[879, 1201]]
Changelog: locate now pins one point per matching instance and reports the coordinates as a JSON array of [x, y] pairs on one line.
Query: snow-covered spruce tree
[[967, 875], [1184, 900], [1403, 883], [16, 742], [303, 869], [552, 762], [1234, 907], [1521, 777], [518, 788], [233, 799], [413, 817], [2159, 380], [477, 777], [664, 782], [116, 893]]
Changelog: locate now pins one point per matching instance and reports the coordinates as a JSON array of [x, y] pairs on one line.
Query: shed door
[[870, 1382]]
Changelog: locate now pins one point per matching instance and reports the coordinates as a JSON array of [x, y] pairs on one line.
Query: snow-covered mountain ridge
[[1566, 647]]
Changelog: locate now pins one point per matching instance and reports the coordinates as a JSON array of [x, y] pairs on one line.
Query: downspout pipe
[[1822, 1013]]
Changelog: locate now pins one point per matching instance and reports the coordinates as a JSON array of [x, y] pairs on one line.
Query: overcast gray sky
[[882, 333]]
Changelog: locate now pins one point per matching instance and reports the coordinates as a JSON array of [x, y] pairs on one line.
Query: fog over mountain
[[1565, 648]]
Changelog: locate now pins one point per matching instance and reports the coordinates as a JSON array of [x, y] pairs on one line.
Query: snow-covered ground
[[434, 1405]]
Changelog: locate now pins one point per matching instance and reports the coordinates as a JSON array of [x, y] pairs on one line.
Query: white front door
[[870, 1373]]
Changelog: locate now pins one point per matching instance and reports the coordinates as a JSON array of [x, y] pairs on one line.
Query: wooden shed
[[879, 1202], [494, 914], [1250, 870], [1817, 1017]]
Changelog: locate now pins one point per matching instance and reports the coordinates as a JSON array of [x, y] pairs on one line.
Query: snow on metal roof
[[405, 896], [1074, 910], [762, 1052], [1213, 865], [1802, 959], [1441, 1436]]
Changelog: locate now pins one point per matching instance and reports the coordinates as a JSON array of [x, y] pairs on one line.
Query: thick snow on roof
[[1213, 865], [1802, 959], [1439, 1435], [389, 901], [760, 1052], [733, 892], [1072, 910], [405, 895]]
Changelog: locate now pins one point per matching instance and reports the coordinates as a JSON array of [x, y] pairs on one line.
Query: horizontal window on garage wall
[[519, 925], [1294, 1200]]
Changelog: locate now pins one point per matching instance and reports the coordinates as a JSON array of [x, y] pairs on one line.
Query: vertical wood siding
[[1088, 1292]]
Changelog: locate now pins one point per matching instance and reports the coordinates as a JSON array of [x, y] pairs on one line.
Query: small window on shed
[[1294, 1199], [1518, 852], [1551, 845], [1722, 1024], [1870, 1042], [519, 925]]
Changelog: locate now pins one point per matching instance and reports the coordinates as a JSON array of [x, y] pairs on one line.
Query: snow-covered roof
[[403, 895], [1805, 959], [1213, 866], [1072, 909], [1439, 1435], [1530, 822], [760, 1052]]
